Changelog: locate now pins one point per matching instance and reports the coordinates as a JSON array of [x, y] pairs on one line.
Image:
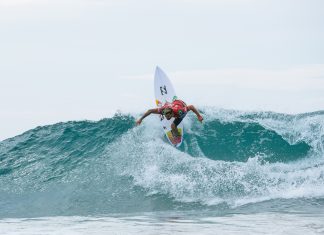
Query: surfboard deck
[[164, 92], [175, 140]]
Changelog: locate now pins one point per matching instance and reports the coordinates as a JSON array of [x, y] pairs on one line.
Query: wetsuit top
[[178, 107]]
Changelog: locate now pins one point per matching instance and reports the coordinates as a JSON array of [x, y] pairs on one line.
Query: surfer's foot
[[175, 133]]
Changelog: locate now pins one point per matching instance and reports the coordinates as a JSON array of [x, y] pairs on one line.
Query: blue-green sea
[[240, 172]]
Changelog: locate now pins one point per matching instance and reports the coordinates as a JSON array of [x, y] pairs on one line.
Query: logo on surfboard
[[163, 90]]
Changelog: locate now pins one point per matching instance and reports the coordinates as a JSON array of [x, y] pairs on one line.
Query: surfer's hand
[[138, 122], [200, 118]]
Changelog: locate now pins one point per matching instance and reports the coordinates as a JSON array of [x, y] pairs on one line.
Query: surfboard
[[164, 92]]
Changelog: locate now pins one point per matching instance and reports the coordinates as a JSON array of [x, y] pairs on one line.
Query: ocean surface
[[237, 173]]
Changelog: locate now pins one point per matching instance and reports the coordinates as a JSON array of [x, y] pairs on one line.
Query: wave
[[111, 166]]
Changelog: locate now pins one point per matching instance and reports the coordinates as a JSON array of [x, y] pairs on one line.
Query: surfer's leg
[[174, 125], [174, 130]]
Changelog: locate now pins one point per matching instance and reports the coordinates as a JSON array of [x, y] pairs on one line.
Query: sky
[[86, 59]]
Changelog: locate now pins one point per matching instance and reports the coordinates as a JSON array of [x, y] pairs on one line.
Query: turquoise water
[[236, 165]]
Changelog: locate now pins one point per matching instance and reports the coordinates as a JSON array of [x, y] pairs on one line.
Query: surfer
[[177, 109]]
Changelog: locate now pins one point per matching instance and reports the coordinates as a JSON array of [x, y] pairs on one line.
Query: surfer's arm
[[193, 109], [148, 112]]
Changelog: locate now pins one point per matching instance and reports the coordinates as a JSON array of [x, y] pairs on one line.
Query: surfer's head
[[168, 113]]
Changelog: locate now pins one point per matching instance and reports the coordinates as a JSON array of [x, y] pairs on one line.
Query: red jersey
[[178, 107]]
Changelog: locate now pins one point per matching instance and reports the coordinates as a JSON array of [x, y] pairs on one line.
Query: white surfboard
[[164, 92]]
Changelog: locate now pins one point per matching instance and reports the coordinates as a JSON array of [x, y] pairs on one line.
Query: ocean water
[[238, 173]]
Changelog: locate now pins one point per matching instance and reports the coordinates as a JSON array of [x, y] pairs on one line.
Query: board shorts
[[179, 119]]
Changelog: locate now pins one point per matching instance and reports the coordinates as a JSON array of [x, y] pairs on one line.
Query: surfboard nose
[[158, 70]]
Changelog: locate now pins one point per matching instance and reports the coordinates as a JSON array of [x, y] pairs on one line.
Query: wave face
[[235, 158]]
